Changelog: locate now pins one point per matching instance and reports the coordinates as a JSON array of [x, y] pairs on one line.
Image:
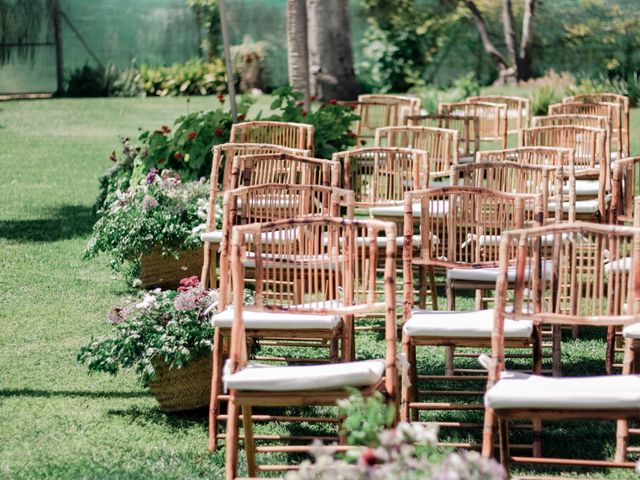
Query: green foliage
[[542, 98], [365, 418], [193, 77], [169, 325], [161, 212], [104, 82], [332, 121], [208, 16], [628, 86]]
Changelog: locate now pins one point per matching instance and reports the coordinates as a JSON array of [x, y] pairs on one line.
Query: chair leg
[[610, 355], [556, 345], [622, 440], [449, 351], [479, 302], [216, 388], [451, 300], [487, 433], [405, 391], [249, 444], [503, 436], [231, 453], [432, 286], [422, 287], [449, 367]]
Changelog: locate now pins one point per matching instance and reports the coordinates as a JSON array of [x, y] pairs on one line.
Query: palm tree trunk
[[298, 49]]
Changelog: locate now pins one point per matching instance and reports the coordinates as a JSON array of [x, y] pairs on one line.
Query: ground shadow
[[156, 416], [30, 392], [65, 222]]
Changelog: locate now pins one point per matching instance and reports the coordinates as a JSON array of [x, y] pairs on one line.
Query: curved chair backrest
[[468, 130], [286, 134], [492, 118], [518, 109], [625, 187]]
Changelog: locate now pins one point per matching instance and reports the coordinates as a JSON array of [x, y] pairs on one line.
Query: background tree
[[298, 49], [517, 64]]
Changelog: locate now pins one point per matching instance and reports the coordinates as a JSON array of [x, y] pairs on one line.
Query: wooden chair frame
[[267, 203], [359, 297], [574, 288], [468, 131], [440, 144], [223, 156], [624, 125], [287, 134], [492, 118], [518, 109], [625, 189]]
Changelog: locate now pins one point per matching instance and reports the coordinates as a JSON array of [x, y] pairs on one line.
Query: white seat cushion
[[490, 274], [317, 261], [632, 331], [313, 377], [214, 236], [584, 188], [276, 321], [618, 266], [582, 206], [438, 208], [478, 324], [518, 390]]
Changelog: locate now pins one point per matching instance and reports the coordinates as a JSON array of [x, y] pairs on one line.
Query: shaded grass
[[55, 420]]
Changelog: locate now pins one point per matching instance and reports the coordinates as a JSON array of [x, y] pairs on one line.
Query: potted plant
[[151, 230], [166, 338]]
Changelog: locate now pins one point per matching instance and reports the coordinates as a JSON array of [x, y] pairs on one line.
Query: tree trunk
[[525, 68], [331, 58], [298, 49]]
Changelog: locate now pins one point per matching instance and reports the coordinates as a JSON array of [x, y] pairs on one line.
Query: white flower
[[147, 303]]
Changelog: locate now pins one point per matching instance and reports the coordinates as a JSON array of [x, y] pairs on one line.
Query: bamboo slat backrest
[[610, 110], [529, 156], [375, 111], [512, 177], [334, 261], [587, 143], [594, 121], [625, 188], [408, 105], [283, 168], [382, 175], [287, 134], [468, 129], [440, 144], [624, 126], [585, 279], [271, 202], [518, 109], [467, 222], [492, 118]]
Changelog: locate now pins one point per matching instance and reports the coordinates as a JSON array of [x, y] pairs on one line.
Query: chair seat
[[279, 237], [491, 274], [215, 236], [522, 391], [618, 266], [582, 206], [584, 188], [632, 331], [315, 261], [438, 208], [276, 320], [304, 378], [464, 159], [478, 324]]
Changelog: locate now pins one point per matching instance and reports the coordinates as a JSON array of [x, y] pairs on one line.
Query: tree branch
[[484, 36], [509, 32]]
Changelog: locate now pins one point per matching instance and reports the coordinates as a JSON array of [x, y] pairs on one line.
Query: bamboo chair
[[372, 115], [590, 162], [518, 109], [440, 144], [468, 222], [408, 105], [267, 203], [468, 131], [286, 134], [611, 111], [220, 178], [594, 121], [581, 283], [624, 125], [546, 157], [348, 263], [625, 188], [492, 118]]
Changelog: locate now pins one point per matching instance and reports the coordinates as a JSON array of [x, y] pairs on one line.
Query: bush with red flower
[[171, 325]]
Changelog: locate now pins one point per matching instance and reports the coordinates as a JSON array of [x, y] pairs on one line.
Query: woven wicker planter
[[179, 389], [163, 271]]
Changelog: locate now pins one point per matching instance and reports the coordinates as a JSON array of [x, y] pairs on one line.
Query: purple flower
[[151, 176], [149, 202], [185, 301], [117, 315]]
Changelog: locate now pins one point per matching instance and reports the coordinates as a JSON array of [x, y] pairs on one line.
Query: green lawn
[[56, 421]]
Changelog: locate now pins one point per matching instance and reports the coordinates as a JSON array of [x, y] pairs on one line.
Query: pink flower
[[192, 135]]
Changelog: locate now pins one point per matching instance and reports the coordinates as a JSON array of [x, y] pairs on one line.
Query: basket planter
[[164, 271], [179, 389]]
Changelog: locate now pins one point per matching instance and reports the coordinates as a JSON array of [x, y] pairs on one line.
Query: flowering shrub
[[169, 325], [408, 451], [193, 77], [161, 212], [331, 121]]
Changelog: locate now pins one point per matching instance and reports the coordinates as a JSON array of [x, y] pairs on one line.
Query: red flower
[[241, 117], [300, 104], [314, 98], [178, 156], [161, 160], [368, 457], [192, 135], [304, 113], [112, 157], [219, 132], [166, 129], [350, 134], [221, 97], [187, 283], [333, 101]]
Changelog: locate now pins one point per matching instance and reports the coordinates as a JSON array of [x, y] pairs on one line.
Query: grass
[[56, 421]]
